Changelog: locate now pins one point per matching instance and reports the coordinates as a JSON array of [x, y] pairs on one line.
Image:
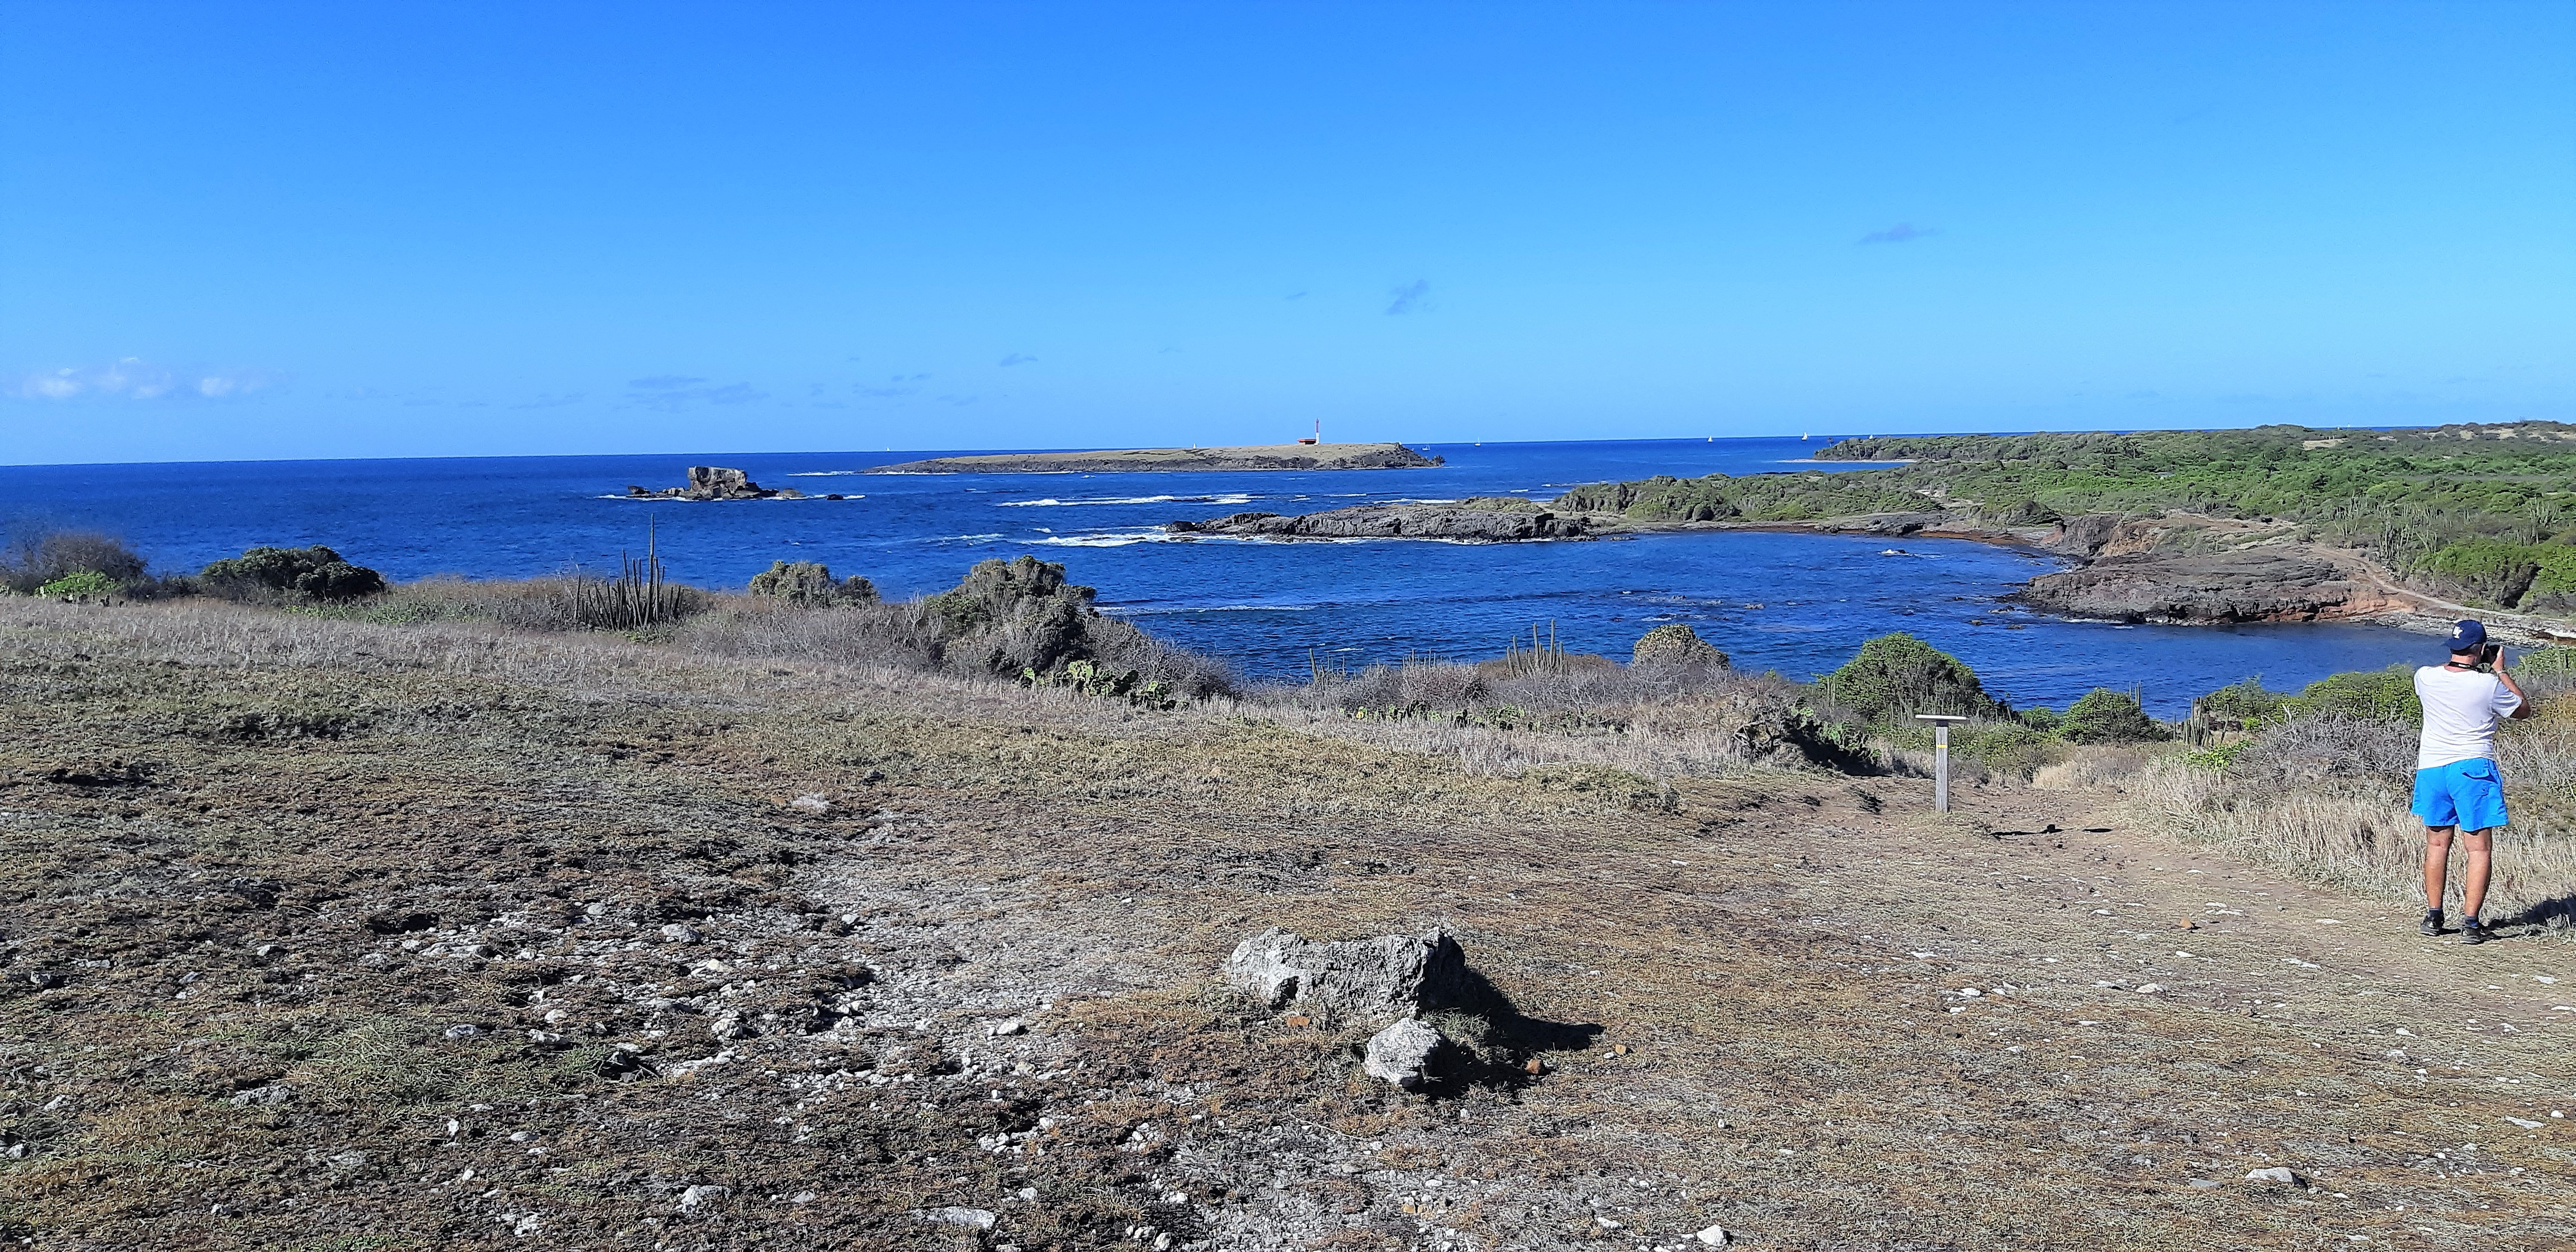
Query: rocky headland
[[1286, 456]]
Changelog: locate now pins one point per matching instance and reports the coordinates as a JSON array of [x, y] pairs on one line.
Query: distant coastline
[[1287, 456]]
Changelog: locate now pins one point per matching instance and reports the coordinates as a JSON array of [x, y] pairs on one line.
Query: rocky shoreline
[[2174, 570], [1288, 456]]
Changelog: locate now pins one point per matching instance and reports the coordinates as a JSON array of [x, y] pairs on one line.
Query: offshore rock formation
[[712, 482], [1468, 521]]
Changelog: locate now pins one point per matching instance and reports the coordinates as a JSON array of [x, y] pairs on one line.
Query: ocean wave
[[1115, 538], [1232, 497], [955, 539], [825, 473], [1142, 610]]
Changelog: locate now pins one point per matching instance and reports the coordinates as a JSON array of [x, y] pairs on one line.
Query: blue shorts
[[2468, 794]]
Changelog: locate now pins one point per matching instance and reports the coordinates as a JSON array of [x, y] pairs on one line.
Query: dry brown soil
[[324, 936]]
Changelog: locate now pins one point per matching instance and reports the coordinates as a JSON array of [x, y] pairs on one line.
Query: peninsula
[[1285, 456], [2279, 523]]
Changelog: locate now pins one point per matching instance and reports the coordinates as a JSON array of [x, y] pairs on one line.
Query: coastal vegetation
[[2480, 514]]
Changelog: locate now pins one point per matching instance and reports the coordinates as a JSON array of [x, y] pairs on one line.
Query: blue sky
[[239, 230]]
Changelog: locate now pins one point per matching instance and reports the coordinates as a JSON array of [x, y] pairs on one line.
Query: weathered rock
[[1370, 982], [2267, 584], [1402, 1053], [1463, 523], [978, 1219], [1714, 1236], [701, 1196], [273, 1094], [2277, 1173], [678, 932], [1882, 523], [1675, 644]]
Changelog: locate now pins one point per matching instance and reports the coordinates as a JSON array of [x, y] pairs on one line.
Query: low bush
[[1896, 676], [1675, 644], [289, 575], [2385, 694], [2107, 716], [810, 582], [80, 585], [38, 559]]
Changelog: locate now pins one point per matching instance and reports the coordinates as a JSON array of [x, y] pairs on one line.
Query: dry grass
[[2327, 798]]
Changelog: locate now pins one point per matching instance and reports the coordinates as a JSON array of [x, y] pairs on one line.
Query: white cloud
[[135, 379]]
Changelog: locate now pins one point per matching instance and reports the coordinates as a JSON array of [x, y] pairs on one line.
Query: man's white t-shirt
[[2461, 709]]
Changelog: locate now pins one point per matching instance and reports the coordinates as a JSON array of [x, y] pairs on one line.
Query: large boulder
[[1368, 982]]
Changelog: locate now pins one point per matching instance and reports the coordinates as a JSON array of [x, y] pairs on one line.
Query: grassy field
[[343, 934]]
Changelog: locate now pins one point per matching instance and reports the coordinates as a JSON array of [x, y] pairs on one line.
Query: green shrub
[[2382, 695], [1896, 676], [2107, 716], [810, 582], [88, 582], [2241, 705], [38, 559], [1100, 682], [2484, 569], [269, 574]]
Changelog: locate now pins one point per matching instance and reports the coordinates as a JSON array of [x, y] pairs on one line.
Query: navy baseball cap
[[2468, 636]]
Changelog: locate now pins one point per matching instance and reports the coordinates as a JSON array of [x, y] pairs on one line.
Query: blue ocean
[[1797, 603]]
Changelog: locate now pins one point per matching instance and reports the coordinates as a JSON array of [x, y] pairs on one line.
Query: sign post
[[1940, 755]]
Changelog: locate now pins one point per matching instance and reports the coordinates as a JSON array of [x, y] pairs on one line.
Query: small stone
[[464, 1030], [1714, 1236], [2276, 1173], [811, 803], [979, 1219], [1014, 1026], [2185, 923], [2149, 989], [702, 1195], [2203, 1184], [273, 1094], [801, 1197], [676, 932], [1402, 1053]]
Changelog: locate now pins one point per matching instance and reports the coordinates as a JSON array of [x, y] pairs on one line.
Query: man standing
[[2456, 785]]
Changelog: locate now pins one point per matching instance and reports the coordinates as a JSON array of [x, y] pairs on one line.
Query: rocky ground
[[329, 936]]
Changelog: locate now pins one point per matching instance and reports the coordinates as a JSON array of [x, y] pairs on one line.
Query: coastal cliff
[[1286, 456]]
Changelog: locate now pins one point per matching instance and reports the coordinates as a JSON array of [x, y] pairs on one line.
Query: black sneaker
[[2432, 924], [2471, 932]]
